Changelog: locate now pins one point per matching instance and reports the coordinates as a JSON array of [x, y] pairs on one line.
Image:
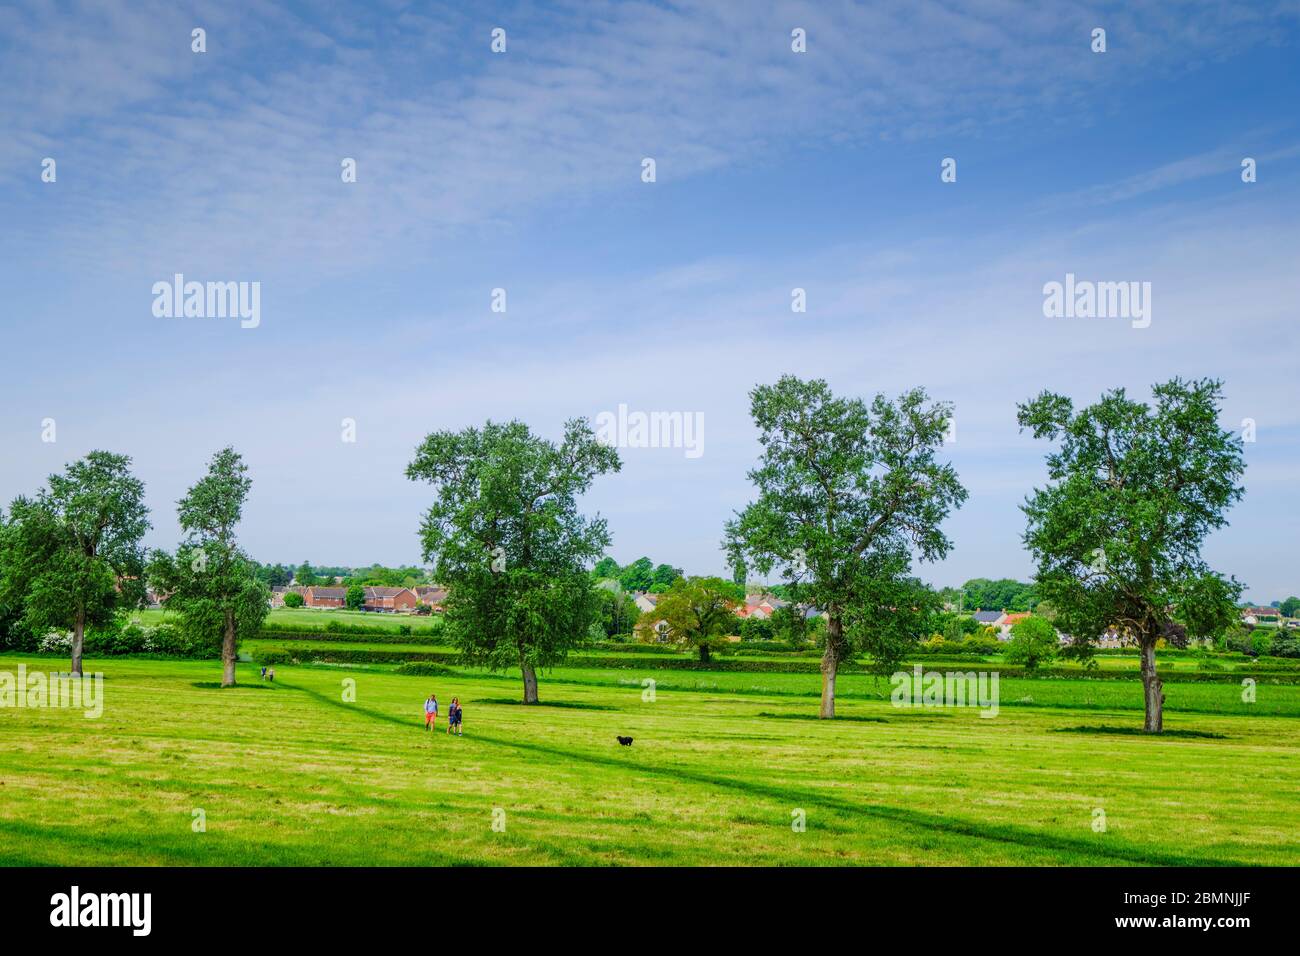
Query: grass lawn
[[292, 774]]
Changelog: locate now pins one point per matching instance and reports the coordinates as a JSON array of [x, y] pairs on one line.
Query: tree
[[697, 612], [305, 576], [505, 535], [210, 581], [845, 492], [356, 597], [663, 577], [1290, 606], [606, 568], [637, 576], [1134, 490], [1033, 642], [76, 547], [293, 599], [15, 632], [617, 612]]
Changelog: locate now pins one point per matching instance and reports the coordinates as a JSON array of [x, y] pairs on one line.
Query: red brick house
[[390, 600], [326, 597]]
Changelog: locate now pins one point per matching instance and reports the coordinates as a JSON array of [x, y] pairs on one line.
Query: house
[[759, 606], [989, 618], [1257, 615], [325, 597], [389, 600], [646, 601], [434, 596], [1008, 622]]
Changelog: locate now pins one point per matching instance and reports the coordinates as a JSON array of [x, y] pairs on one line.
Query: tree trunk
[[1152, 689], [530, 682], [831, 661], [228, 652], [704, 653], [78, 641]]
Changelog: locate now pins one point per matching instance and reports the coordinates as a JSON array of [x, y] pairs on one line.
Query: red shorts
[[430, 717]]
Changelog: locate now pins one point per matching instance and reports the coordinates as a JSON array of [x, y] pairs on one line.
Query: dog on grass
[[625, 741]]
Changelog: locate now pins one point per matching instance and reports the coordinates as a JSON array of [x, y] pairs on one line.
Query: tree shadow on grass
[[839, 719], [570, 704], [1139, 732], [216, 685]]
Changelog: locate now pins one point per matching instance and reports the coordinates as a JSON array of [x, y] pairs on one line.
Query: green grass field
[[293, 774], [310, 618]]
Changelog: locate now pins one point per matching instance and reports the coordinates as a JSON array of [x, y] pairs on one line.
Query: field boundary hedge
[[284, 655]]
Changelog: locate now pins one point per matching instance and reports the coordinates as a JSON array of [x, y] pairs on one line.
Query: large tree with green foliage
[[212, 583], [694, 612], [637, 576], [846, 491], [506, 536], [1134, 491], [75, 549]]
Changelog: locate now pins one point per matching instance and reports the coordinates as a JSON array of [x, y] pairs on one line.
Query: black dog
[[625, 741]]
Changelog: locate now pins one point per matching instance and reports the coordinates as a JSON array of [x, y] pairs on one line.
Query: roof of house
[[384, 591], [329, 592], [988, 617]]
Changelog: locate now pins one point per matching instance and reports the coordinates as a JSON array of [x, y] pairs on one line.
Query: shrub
[[56, 642], [293, 599], [425, 669], [1285, 645], [272, 656]]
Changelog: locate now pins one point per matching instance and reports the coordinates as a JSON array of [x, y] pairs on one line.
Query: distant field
[[294, 774]]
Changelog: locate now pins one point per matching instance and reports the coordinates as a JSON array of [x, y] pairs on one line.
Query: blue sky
[[522, 170]]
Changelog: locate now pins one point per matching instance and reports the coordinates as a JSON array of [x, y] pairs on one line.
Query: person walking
[[454, 717], [431, 712]]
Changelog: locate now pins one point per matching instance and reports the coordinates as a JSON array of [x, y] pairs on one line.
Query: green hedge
[[403, 631]]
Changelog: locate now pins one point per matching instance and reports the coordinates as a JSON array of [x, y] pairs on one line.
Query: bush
[[271, 656], [755, 629], [56, 642], [1285, 645], [115, 641], [293, 599], [425, 669]]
